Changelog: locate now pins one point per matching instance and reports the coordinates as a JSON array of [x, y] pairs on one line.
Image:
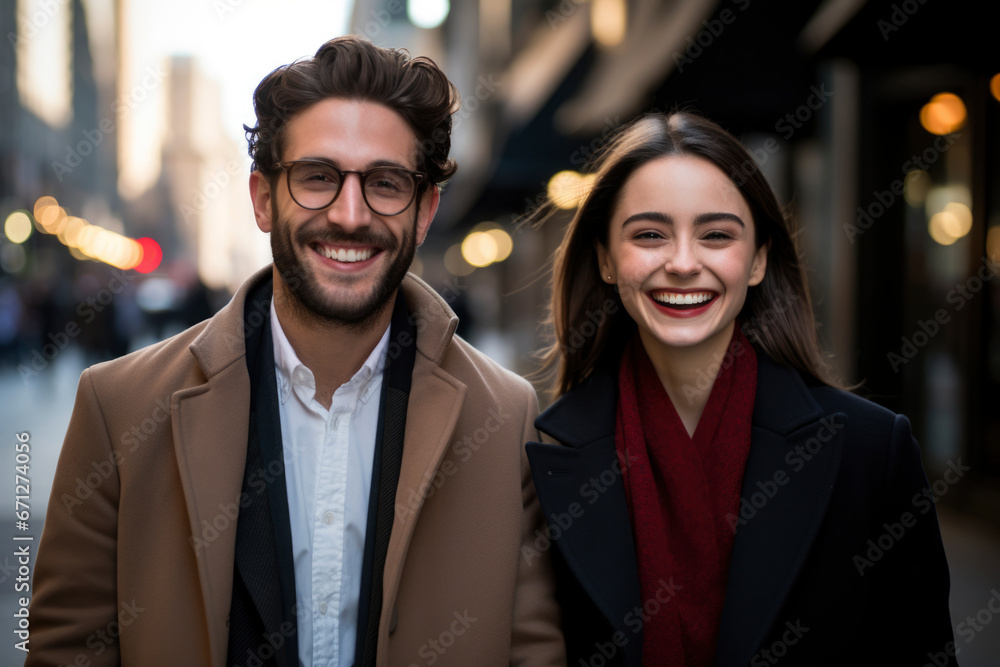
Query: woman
[[712, 496]]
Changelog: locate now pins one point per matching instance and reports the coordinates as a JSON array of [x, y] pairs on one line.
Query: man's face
[[343, 264]]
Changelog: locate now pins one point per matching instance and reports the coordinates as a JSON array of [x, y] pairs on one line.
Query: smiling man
[[313, 498]]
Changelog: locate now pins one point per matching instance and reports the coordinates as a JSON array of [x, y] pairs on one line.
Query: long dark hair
[[591, 326]]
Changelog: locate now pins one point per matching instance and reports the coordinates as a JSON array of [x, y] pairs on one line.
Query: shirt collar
[[292, 372]]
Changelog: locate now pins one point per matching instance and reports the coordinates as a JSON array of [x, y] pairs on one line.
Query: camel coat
[[135, 562]]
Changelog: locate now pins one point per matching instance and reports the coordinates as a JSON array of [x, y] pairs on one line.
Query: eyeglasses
[[315, 184]]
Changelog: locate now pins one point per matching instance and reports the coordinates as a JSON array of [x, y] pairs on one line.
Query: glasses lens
[[313, 184], [389, 191]]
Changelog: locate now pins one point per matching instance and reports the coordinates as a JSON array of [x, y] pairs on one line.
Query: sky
[[236, 43]]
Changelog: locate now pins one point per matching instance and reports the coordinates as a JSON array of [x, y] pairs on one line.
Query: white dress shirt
[[328, 470]]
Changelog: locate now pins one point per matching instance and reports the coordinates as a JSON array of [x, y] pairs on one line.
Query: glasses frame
[[419, 178]]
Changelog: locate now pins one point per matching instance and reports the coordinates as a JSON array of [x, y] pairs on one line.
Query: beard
[[311, 301]]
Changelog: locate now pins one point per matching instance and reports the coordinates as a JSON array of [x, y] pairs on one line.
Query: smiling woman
[[682, 252], [744, 479]]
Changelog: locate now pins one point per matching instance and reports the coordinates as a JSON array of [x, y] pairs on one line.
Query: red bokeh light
[[152, 254]]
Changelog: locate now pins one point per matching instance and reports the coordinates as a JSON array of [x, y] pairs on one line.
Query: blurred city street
[[124, 168]]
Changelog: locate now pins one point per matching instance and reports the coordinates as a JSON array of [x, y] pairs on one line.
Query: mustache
[[333, 236]]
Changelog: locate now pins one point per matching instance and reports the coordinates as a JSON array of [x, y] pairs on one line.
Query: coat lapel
[[210, 441], [435, 403], [787, 484], [396, 385], [210, 427], [580, 490]]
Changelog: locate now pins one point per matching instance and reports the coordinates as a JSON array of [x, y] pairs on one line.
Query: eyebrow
[[700, 219], [375, 164]]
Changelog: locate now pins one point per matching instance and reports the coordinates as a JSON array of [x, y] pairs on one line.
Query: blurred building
[[52, 139], [894, 186], [206, 172], [58, 137], [70, 99]]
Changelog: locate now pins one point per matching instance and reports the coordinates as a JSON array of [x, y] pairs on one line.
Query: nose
[[349, 211], [683, 258]]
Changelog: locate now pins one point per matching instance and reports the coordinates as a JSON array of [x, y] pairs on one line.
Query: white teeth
[[349, 255], [683, 299]]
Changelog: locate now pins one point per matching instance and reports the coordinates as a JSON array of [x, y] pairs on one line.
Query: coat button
[[393, 620]]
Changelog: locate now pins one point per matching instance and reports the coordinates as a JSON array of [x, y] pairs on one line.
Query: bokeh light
[[505, 244], [52, 219], [944, 114], [608, 21], [480, 249], [567, 189], [959, 219], [915, 187], [17, 227], [427, 14], [993, 243], [87, 241], [39, 209], [938, 228], [151, 255]]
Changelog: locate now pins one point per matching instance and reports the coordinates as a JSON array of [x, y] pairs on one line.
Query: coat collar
[[773, 532], [786, 405], [210, 421], [222, 341]]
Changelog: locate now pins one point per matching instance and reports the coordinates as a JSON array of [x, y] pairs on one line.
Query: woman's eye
[[648, 235], [717, 236]]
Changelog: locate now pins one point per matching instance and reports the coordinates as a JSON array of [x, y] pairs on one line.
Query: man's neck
[[333, 352]]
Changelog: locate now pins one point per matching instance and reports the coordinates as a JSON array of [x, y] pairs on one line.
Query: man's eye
[[387, 181], [317, 176]]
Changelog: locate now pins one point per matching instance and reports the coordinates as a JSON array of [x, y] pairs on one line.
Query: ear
[[759, 266], [604, 265], [260, 197], [428, 207]]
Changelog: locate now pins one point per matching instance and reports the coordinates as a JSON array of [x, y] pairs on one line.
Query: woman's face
[[681, 248]]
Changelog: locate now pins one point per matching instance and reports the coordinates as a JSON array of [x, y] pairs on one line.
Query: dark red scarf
[[680, 490]]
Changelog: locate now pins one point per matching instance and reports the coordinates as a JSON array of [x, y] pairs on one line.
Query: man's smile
[[345, 254]]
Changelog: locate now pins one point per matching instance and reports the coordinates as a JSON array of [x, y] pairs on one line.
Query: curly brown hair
[[352, 68]]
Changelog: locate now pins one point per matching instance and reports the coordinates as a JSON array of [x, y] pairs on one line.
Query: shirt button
[[328, 518], [322, 608]]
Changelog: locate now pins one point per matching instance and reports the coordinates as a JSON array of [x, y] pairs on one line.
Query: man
[[322, 473]]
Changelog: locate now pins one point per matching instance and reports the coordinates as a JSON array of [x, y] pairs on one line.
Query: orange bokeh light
[[944, 114]]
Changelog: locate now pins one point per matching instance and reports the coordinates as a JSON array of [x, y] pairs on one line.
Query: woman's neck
[[688, 373]]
